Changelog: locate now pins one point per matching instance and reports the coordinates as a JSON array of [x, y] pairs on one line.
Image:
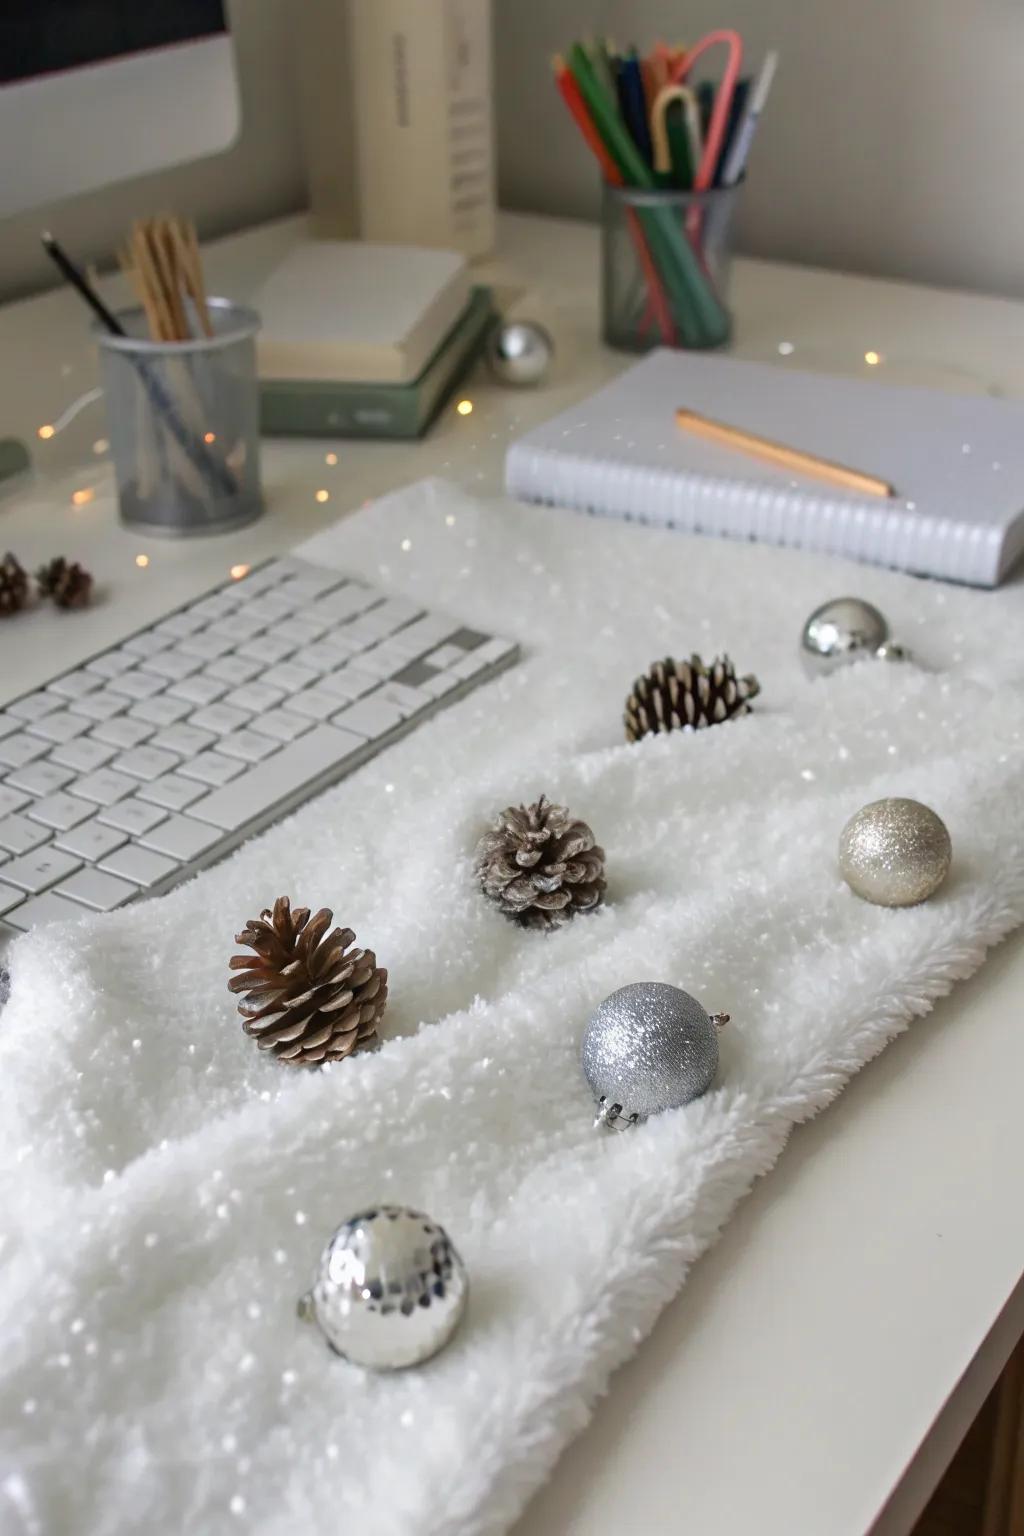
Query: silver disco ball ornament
[[390, 1289], [845, 630], [648, 1047], [519, 352], [895, 852]]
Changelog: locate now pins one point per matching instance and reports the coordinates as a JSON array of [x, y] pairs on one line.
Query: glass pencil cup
[[665, 260], [183, 423]]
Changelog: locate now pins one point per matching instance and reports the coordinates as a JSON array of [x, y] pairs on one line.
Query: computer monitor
[[95, 91]]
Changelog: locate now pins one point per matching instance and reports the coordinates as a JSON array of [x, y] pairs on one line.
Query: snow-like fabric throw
[[166, 1189]]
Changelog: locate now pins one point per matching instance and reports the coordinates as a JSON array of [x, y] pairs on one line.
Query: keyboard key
[[346, 602], [73, 685], [62, 726], [498, 650], [250, 746], [137, 685], [398, 611], [239, 627], [146, 762], [179, 625], [39, 778], [206, 647], [220, 718], [90, 840], [424, 634], [83, 753], [184, 740], [270, 609], [11, 799], [317, 703], [309, 583], [35, 871], [409, 700], [173, 664], [8, 725], [367, 627], [467, 639], [446, 655], [171, 791], [199, 689], [369, 718], [299, 631], [326, 655], [148, 643], [95, 889], [235, 670], [34, 705], [122, 732], [160, 710], [381, 662], [211, 768], [110, 664], [264, 652], [181, 838], [9, 896], [415, 674], [139, 865], [217, 605], [20, 835], [17, 750], [349, 683], [44, 909], [283, 725], [280, 778], [105, 786], [254, 697], [99, 706], [472, 663], [60, 811], [132, 815]]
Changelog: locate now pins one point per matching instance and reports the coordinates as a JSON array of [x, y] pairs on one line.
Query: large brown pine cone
[[67, 582], [676, 694], [540, 866], [306, 1001], [13, 586]]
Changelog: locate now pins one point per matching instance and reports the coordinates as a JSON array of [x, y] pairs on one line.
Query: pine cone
[[540, 866], [676, 694], [306, 1001], [13, 586], [68, 583]]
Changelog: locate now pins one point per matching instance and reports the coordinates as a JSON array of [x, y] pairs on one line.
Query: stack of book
[[362, 340]]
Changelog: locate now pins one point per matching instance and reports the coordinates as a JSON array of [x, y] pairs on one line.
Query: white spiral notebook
[[956, 463]]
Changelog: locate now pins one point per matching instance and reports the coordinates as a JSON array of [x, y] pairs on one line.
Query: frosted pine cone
[[676, 694], [540, 866]]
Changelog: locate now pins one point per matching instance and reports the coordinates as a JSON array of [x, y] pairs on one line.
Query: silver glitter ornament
[[390, 1289], [895, 852], [845, 630], [648, 1047], [519, 352]]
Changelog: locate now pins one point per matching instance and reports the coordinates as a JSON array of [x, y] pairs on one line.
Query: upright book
[[956, 464]]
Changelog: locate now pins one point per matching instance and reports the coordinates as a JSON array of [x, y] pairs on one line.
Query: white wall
[[262, 175], [894, 141]]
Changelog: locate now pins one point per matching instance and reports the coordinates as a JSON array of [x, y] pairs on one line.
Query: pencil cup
[[183, 422], [665, 267]]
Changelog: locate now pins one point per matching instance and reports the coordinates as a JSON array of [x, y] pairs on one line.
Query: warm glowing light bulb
[[100, 445], [142, 561], [407, 545], [330, 458], [238, 571], [465, 407], [82, 497], [872, 359], [209, 437], [322, 495], [45, 432]]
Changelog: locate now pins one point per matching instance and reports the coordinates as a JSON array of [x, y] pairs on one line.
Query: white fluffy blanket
[[166, 1190]]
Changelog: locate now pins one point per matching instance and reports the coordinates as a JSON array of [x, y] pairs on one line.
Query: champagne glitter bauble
[[648, 1047], [390, 1289], [845, 630], [895, 852]]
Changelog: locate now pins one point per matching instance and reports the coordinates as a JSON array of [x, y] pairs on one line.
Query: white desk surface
[[828, 1354]]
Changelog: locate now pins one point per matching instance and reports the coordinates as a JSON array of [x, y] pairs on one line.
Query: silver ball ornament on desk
[[519, 352], [648, 1047], [390, 1289], [845, 630], [895, 853]]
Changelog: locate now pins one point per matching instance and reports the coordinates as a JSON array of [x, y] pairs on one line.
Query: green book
[[316, 408]]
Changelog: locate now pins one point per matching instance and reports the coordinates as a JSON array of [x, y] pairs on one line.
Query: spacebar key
[[277, 778]]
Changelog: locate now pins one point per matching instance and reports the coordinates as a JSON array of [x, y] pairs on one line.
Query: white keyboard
[[122, 777]]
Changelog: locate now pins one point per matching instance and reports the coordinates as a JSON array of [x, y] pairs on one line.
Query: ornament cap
[[719, 1020]]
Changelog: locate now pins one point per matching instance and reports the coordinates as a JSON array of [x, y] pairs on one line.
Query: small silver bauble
[[519, 352], [390, 1289], [895, 852], [648, 1047], [845, 630]]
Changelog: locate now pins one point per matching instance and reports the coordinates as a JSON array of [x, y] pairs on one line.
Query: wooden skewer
[[779, 453], [187, 243], [150, 277]]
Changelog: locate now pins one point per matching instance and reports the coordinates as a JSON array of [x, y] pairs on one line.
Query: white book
[[343, 311], [956, 463]]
